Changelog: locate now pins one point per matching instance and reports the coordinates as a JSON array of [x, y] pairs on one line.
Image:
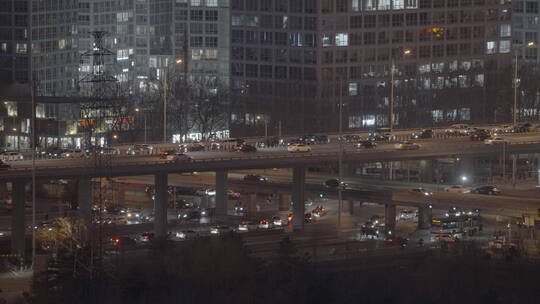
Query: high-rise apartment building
[[292, 61], [41, 34]]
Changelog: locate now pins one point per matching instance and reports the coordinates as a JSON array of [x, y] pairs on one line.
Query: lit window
[[342, 39], [195, 2], [504, 46], [212, 3], [491, 47], [62, 44], [353, 89], [122, 54], [196, 54], [506, 30], [20, 48], [327, 40], [211, 54]]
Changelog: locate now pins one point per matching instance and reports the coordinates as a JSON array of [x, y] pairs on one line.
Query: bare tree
[[210, 106]]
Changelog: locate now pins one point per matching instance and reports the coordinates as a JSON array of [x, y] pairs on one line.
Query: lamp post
[[144, 118], [165, 93], [340, 155], [405, 52], [516, 80], [265, 125]]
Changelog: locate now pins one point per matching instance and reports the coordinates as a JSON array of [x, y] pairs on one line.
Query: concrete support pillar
[[18, 218], [85, 200], [221, 193], [428, 170], [351, 207], [390, 216], [466, 171], [284, 202], [251, 204], [3, 190], [160, 205], [299, 208], [424, 217], [514, 169]]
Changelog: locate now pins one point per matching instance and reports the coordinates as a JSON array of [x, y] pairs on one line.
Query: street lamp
[[144, 118], [406, 52], [165, 89], [516, 80], [340, 155], [265, 125]]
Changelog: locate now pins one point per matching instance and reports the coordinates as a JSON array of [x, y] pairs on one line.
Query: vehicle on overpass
[[334, 183], [76, 153], [187, 234], [299, 148], [255, 178], [190, 147], [140, 149], [494, 141], [11, 156], [247, 226], [458, 189], [366, 144], [244, 148], [457, 129], [421, 191], [166, 153], [490, 190], [4, 166], [424, 134], [179, 157], [264, 224], [407, 145], [220, 229], [479, 135]]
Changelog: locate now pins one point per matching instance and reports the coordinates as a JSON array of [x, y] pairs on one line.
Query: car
[[393, 240], [479, 135], [458, 189], [366, 144], [454, 212], [219, 229], [458, 129], [490, 190], [407, 145], [244, 148], [11, 156], [494, 140], [299, 148], [446, 238], [231, 194], [334, 184], [264, 224], [277, 221], [186, 234], [351, 138], [426, 133], [146, 237], [123, 242], [239, 209], [4, 166], [140, 149], [308, 217], [319, 211], [165, 154], [379, 137], [179, 157], [407, 215], [247, 226], [189, 215], [108, 151], [255, 178], [76, 153], [421, 191], [191, 148]]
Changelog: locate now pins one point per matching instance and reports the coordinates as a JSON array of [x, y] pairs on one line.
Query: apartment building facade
[[293, 61]]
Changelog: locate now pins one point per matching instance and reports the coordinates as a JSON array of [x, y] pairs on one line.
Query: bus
[[455, 227]]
